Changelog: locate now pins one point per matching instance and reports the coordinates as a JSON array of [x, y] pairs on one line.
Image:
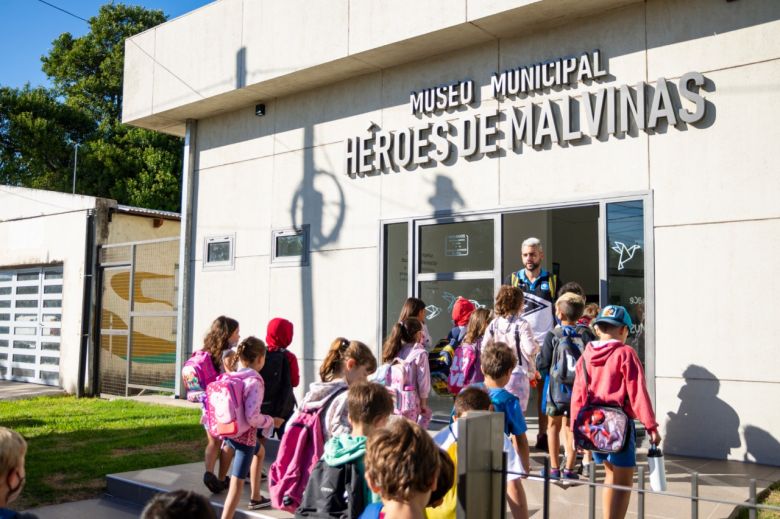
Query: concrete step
[[102, 508], [139, 486]]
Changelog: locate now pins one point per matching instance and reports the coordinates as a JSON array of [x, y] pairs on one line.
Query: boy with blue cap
[[616, 378]]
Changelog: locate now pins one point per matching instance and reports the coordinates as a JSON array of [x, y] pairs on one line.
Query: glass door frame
[[414, 277]]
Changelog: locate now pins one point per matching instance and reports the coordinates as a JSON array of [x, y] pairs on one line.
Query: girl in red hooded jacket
[[616, 378], [278, 336]]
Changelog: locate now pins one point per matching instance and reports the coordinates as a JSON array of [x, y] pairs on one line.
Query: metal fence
[[138, 316], [482, 477]]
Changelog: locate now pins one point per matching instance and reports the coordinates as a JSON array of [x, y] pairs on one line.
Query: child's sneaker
[[263, 502], [570, 474], [554, 474], [212, 483]]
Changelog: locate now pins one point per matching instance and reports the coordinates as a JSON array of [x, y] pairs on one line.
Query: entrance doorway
[[600, 245]]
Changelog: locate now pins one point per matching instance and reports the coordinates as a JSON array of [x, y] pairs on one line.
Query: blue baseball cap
[[614, 315]]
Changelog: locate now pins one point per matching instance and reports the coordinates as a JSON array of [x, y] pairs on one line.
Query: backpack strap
[[514, 281], [517, 345], [553, 283]]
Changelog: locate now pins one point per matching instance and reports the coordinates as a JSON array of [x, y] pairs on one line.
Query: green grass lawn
[[771, 496], [73, 443]]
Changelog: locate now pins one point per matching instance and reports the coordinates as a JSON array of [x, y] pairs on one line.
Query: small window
[[219, 252], [291, 247]]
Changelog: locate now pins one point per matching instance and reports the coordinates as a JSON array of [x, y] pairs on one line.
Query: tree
[[132, 165]]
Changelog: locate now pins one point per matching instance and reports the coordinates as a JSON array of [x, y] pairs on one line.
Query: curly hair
[[509, 301], [342, 349], [497, 359], [401, 460], [216, 340]]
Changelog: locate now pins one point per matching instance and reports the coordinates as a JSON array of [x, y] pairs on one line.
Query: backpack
[[567, 351], [278, 401], [300, 449], [225, 416], [399, 377], [465, 367], [197, 373], [600, 428], [334, 492]]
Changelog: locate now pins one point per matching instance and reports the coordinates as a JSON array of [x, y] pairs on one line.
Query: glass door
[[455, 257]]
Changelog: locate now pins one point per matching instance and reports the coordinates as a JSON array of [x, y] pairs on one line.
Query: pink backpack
[[465, 369], [198, 372], [300, 449], [400, 379], [225, 417]]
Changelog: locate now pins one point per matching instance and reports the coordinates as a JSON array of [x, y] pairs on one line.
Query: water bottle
[[655, 461]]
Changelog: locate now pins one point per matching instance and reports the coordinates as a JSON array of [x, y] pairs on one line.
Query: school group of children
[[343, 452]]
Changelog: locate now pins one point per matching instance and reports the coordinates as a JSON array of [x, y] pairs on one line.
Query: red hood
[[279, 333], [461, 311], [600, 351]]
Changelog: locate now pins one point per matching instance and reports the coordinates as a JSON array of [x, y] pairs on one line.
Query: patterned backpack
[[400, 379], [465, 367], [197, 373], [225, 417], [568, 349]]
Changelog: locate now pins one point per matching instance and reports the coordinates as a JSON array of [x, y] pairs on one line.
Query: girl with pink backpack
[[515, 331], [406, 371], [466, 368], [201, 369], [245, 406]]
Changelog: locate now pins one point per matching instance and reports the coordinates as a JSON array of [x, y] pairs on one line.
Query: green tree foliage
[[38, 128]]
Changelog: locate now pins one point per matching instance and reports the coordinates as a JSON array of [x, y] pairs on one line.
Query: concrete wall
[[125, 228], [715, 187], [46, 228]]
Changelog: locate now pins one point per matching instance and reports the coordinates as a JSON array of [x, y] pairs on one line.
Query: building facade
[[341, 161]]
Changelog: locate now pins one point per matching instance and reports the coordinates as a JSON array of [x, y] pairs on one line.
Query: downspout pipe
[[89, 275], [186, 249]]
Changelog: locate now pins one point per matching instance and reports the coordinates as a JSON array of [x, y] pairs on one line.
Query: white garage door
[[30, 324]]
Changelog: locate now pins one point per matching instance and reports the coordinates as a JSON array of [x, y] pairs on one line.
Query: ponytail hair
[[216, 340], [412, 308], [403, 332], [250, 349], [340, 351]]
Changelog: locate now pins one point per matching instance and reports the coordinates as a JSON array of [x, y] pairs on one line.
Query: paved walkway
[[19, 390]]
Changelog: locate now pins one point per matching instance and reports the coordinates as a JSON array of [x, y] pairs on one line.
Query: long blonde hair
[[216, 340]]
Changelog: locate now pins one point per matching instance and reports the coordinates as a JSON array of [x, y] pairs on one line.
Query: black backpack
[[334, 492], [278, 401], [567, 351]]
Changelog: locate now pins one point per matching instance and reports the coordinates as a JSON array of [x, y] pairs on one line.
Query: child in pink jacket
[[251, 356]]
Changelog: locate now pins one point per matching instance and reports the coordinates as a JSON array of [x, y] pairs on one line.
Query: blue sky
[[27, 28]]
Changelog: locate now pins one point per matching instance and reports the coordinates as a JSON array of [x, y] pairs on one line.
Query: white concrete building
[[50, 289], [326, 181]]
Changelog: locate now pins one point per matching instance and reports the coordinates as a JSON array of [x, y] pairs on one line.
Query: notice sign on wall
[[607, 111], [456, 245]]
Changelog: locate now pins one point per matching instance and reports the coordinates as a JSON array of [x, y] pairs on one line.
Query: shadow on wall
[[704, 425], [311, 206], [446, 197]]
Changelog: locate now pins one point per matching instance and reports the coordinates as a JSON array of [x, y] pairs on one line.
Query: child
[[510, 328], [616, 378], [466, 368], [461, 312], [337, 486], [402, 464], [403, 345], [590, 313], [251, 357], [498, 363], [346, 363], [414, 307], [12, 451], [568, 309], [445, 486], [278, 337], [219, 342], [473, 398], [179, 504]]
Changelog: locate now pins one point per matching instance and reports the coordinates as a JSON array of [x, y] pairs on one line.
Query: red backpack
[[197, 373], [300, 449]]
